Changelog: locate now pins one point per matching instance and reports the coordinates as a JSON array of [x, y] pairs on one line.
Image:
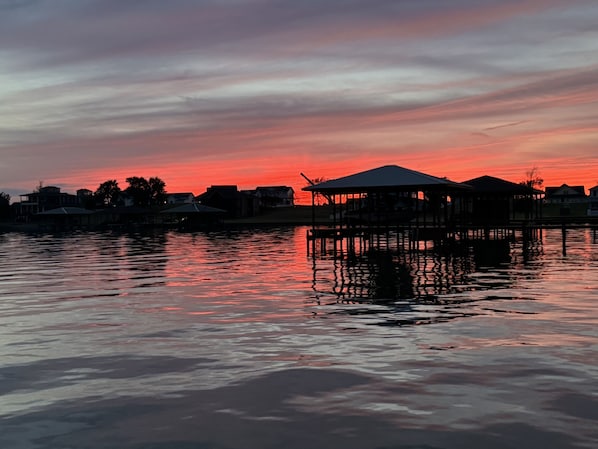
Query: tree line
[[143, 192]]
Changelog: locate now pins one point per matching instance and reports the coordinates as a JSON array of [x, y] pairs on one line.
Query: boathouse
[[192, 216], [388, 199], [498, 202], [227, 197], [64, 218], [416, 206]]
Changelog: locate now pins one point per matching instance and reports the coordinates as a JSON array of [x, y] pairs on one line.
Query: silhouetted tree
[[139, 190], [4, 205], [533, 179], [318, 196], [146, 193], [108, 193], [157, 189]]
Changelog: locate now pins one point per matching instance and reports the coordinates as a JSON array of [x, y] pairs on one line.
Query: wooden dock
[[408, 237]]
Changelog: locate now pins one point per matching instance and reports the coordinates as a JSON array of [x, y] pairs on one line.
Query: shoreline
[[287, 216], [299, 215], [295, 215]]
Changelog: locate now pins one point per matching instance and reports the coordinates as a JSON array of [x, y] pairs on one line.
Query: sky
[[254, 92]]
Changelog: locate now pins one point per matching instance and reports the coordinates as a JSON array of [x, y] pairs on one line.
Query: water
[[239, 339]]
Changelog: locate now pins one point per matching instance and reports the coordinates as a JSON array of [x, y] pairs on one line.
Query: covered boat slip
[[392, 206]]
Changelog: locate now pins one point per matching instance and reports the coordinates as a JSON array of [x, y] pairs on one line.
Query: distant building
[[125, 200], [86, 198], [275, 196], [83, 194], [565, 194], [46, 198], [180, 198], [593, 202], [227, 197]]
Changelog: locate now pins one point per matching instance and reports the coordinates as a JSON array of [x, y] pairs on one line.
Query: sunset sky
[[253, 92]]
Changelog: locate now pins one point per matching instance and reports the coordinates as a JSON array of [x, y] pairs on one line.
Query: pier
[[408, 238], [396, 208]]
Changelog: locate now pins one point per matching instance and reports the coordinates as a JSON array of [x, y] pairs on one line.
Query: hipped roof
[[66, 211], [193, 208], [388, 178], [490, 184]]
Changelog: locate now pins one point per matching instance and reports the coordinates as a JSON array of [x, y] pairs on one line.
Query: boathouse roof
[[66, 210], [491, 185], [388, 177], [193, 208]]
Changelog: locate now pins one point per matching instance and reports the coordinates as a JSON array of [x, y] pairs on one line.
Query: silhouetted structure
[[46, 198], [566, 200], [275, 196], [126, 217], [593, 202], [192, 216], [5, 208], [497, 202], [64, 218], [371, 205], [227, 197], [565, 194], [180, 198], [396, 207]]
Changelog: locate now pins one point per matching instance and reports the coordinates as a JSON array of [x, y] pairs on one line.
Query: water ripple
[[147, 337]]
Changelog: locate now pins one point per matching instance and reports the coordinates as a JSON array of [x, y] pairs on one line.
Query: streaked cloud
[[255, 91]]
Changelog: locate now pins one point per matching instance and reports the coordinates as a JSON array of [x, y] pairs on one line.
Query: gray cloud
[[108, 82]]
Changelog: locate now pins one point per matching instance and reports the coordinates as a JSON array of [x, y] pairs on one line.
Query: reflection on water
[[442, 280], [239, 339]]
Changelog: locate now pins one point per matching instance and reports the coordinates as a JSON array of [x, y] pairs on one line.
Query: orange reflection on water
[[239, 276]]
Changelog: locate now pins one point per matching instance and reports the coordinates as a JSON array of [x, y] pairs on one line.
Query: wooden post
[[564, 236]]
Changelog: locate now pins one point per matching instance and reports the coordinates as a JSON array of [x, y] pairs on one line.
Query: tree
[[318, 195], [146, 192], [533, 179], [139, 190], [157, 191], [108, 193]]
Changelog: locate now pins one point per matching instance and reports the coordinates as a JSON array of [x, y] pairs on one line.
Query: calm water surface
[[239, 339]]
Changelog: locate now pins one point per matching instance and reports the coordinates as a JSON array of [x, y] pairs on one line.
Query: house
[[86, 198], [125, 199], [565, 194], [227, 197], [45, 198], [180, 198], [593, 202], [83, 194], [275, 196]]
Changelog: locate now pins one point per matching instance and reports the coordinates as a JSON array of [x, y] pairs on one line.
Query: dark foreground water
[[240, 340]]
